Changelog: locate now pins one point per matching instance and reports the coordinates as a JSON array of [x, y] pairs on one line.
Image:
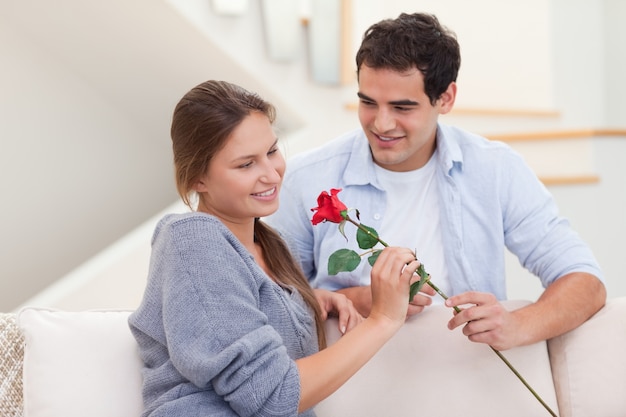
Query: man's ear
[[446, 100]]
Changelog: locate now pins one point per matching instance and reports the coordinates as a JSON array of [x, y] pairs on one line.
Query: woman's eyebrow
[[243, 157]]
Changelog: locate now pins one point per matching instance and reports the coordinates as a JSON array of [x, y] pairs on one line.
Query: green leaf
[[366, 240], [415, 288], [417, 285], [343, 260], [422, 272], [373, 257]]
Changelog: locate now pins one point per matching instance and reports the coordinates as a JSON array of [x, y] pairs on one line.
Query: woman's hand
[[391, 276], [338, 305]]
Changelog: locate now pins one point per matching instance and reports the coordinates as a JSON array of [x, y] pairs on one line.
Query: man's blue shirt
[[489, 200]]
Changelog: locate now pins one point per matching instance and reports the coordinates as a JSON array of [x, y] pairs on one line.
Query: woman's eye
[[246, 165]]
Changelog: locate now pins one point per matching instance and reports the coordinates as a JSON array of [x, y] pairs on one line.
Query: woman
[[229, 324]]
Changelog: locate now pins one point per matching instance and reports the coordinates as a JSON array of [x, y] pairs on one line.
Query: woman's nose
[[271, 173]]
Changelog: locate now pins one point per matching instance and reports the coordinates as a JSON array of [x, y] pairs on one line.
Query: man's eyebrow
[[364, 97], [405, 102]]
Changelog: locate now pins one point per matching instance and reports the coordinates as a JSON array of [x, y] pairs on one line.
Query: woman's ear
[[446, 100], [200, 186]]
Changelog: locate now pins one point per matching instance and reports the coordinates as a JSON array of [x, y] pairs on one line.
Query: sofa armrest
[[11, 361], [426, 369], [589, 365]]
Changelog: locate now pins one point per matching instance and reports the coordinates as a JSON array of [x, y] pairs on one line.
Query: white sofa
[[77, 364]]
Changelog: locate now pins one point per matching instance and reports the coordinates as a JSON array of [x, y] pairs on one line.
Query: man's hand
[[484, 320], [564, 305]]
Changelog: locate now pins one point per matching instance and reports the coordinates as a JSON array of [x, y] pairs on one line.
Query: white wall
[[505, 53], [76, 173], [615, 62], [580, 59], [88, 88]]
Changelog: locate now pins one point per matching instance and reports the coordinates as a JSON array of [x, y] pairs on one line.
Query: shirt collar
[[360, 166], [450, 155]]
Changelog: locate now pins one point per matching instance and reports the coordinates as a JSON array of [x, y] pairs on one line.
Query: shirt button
[[377, 216]]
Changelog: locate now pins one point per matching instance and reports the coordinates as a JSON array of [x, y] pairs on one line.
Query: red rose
[[330, 208]]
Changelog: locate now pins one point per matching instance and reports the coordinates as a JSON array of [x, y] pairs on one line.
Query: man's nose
[[384, 121]]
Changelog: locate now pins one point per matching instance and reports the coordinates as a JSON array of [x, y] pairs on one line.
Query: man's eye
[[367, 103]]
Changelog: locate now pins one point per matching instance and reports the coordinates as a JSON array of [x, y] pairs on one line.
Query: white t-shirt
[[413, 197]]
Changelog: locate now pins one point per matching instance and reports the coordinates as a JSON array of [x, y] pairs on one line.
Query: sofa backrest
[[589, 364], [87, 364], [429, 370]]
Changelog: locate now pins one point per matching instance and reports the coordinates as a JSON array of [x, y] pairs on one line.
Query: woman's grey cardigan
[[217, 336]]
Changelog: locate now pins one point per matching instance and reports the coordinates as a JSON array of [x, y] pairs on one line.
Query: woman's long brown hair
[[203, 121]]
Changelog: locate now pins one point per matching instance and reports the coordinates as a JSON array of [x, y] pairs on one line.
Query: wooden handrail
[[556, 134], [476, 111], [569, 180]]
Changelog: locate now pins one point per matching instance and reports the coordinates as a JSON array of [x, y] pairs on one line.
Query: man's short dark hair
[[415, 40]]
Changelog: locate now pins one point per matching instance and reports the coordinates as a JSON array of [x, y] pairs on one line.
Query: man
[[456, 198]]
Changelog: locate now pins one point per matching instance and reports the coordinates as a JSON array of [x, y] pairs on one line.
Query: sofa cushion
[[79, 364], [589, 365], [428, 370]]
